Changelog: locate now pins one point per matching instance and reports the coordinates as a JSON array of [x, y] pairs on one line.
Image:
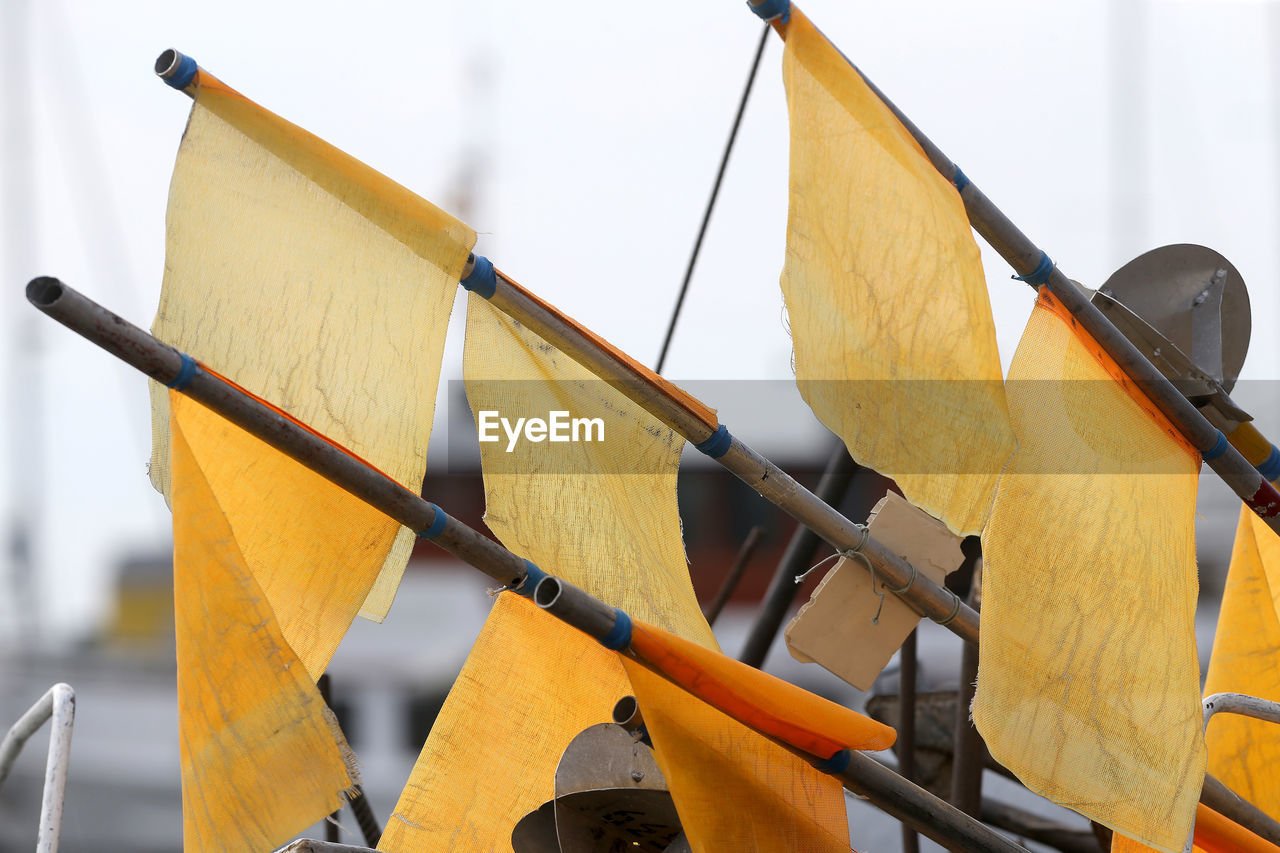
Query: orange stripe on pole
[[769, 705], [282, 413], [672, 392], [1218, 834]]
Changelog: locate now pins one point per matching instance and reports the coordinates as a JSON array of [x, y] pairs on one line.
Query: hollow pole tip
[[176, 69], [626, 713], [43, 291]]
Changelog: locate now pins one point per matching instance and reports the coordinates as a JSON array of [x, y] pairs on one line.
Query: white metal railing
[[60, 704], [1235, 703]]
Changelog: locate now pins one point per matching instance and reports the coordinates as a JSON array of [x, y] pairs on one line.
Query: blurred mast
[[26, 402], [1128, 103], [1273, 53]]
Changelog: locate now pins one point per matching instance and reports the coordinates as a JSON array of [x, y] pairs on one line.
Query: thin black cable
[[711, 202]]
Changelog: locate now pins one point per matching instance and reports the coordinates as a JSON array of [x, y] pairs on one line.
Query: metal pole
[[970, 751], [24, 386], [1026, 257], [164, 364], [325, 686], [1229, 804], [907, 727], [681, 412], [693, 420], [861, 774], [920, 810], [563, 600], [736, 571], [798, 557], [365, 817], [1235, 703], [697, 424], [711, 202]]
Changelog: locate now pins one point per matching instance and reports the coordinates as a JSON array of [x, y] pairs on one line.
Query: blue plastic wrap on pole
[[482, 280], [620, 636], [180, 74], [717, 444], [185, 375], [1219, 447], [533, 575], [1270, 469], [1039, 275], [437, 524], [769, 10]]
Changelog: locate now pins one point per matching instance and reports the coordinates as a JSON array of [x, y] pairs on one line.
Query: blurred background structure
[[581, 145]]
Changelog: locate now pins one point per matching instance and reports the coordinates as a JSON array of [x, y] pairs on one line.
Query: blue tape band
[[1270, 470], [185, 374], [437, 524], [836, 763], [482, 280], [1219, 447], [185, 73], [961, 180], [532, 577], [619, 637], [1039, 275], [770, 9], [717, 444]]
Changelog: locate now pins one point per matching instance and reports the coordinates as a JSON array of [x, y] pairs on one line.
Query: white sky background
[[600, 133]]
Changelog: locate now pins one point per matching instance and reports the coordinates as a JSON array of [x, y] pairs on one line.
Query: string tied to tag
[[877, 586], [855, 551]]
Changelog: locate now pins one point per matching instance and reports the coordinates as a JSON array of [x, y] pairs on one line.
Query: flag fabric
[[324, 288], [733, 789], [895, 346], [262, 758], [1244, 753], [1088, 683], [601, 515], [1214, 834]]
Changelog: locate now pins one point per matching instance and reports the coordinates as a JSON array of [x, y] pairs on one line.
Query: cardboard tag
[[835, 629]]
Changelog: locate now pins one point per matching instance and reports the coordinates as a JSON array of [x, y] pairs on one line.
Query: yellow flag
[[323, 287], [600, 513], [895, 346], [289, 551], [1214, 834], [1244, 753], [733, 790], [260, 758], [1088, 686]]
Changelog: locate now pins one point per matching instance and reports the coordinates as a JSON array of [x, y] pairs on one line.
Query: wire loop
[[955, 611]]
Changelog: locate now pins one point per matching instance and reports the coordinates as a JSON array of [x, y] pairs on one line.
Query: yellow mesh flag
[[1088, 686], [603, 516], [260, 759], [723, 803], [733, 789], [492, 753], [1214, 834], [317, 284], [895, 346], [297, 557], [1244, 753]]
